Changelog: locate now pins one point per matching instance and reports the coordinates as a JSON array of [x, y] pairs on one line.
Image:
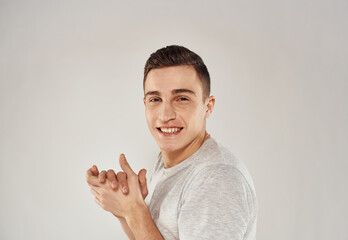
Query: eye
[[155, 100], [183, 99]]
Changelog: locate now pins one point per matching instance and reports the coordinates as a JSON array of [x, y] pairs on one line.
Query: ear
[[209, 106]]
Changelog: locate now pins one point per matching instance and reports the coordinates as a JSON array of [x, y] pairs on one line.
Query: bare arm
[[114, 184], [126, 228], [142, 225], [121, 181]]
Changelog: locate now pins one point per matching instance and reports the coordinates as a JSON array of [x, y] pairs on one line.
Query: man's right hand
[[120, 180]]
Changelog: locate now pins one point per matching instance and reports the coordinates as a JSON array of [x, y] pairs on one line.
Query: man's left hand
[[116, 202]]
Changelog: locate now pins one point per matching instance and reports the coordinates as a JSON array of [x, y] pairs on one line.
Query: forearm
[[126, 228], [142, 225]]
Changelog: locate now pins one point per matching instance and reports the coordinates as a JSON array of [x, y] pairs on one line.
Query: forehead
[[168, 78]]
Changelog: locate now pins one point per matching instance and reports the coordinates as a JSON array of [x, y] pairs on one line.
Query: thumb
[[143, 182], [125, 166]]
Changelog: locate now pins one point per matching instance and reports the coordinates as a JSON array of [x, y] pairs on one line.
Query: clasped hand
[[119, 193]]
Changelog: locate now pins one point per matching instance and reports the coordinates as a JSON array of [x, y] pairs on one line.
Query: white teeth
[[170, 130]]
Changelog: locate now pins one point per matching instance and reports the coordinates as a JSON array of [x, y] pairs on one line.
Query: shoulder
[[217, 177], [217, 159], [222, 191], [213, 152], [217, 170]]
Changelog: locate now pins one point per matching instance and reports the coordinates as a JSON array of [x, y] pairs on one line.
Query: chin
[[168, 147]]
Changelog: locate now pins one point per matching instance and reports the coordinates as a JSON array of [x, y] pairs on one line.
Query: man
[[198, 190]]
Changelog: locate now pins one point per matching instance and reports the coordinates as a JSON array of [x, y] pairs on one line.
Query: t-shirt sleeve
[[215, 205]]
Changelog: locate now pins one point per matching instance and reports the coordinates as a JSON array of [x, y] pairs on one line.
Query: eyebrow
[[182, 90], [175, 91], [152, 93]]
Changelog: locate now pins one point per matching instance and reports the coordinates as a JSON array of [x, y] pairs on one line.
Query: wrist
[[137, 212], [118, 217], [142, 225]]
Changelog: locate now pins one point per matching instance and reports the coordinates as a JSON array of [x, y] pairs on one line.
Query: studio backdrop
[[71, 96]]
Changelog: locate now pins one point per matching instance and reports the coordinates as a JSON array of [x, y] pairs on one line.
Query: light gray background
[[71, 96]]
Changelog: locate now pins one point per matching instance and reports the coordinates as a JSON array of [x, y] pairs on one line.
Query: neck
[[170, 159]]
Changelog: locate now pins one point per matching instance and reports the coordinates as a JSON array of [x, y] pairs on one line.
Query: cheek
[[200, 118], [193, 114], [148, 118], [150, 115]]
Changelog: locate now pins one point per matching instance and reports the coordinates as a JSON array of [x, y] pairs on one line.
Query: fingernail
[[124, 189], [113, 185]]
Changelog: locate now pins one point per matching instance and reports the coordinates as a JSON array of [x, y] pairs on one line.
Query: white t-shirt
[[210, 195]]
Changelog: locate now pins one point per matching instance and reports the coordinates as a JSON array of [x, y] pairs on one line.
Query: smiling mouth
[[169, 130]]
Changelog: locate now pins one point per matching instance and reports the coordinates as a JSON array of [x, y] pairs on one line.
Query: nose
[[167, 112]]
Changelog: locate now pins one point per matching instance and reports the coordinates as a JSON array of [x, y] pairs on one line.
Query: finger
[[98, 202], [94, 192], [125, 166], [89, 172], [142, 177], [111, 176], [90, 179], [143, 182], [122, 180], [95, 170], [102, 176]]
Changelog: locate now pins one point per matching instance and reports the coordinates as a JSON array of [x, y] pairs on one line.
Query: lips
[[169, 131]]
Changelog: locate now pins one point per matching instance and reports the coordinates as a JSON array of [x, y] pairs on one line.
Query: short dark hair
[[177, 56]]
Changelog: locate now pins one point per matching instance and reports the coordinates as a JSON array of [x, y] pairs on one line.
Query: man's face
[[174, 107]]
